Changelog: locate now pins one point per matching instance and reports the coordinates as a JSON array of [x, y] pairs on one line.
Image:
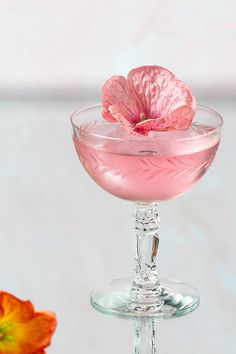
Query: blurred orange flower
[[22, 329]]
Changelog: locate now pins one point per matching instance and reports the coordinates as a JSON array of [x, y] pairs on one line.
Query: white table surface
[[61, 235]]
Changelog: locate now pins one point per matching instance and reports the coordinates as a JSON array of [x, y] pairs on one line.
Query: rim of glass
[[218, 125]]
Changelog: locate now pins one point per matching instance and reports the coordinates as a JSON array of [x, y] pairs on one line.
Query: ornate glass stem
[[146, 286], [144, 338]]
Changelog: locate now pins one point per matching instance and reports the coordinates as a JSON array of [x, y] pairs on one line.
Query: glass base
[[174, 300]]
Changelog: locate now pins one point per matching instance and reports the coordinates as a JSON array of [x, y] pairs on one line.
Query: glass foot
[[175, 299]]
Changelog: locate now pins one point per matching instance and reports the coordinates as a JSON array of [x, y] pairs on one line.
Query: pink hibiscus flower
[[151, 98]]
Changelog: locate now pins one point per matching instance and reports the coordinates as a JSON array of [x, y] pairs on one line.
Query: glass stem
[[145, 286], [144, 337]]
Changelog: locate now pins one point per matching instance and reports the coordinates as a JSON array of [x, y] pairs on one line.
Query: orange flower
[[22, 329]]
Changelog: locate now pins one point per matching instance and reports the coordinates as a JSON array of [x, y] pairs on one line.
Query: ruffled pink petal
[[147, 125], [175, 96], [162, 94], [151, 83], [181, 118], [122, 120], [117, 91], [178, 119]]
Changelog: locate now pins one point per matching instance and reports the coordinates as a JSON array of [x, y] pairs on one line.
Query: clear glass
[[144, 336], [145, 170]]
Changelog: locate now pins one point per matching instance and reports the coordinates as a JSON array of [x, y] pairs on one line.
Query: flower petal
[[150, 82], [162, 94], [117, 91], [35, 335], [147, 125], [23, 331], [180, 118], [13, 309], [114, 109]]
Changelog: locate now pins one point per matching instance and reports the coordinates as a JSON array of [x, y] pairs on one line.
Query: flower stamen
[[142, 117]]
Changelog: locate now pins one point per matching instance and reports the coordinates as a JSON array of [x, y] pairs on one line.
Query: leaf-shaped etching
[[186, 166], [165, 175], [200, 169]]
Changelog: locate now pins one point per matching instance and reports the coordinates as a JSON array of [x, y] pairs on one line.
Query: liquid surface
[[146, 170]]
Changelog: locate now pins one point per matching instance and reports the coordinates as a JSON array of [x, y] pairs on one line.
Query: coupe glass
[[145, 170]]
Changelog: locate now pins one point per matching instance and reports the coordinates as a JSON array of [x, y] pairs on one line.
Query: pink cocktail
[[146, 170]]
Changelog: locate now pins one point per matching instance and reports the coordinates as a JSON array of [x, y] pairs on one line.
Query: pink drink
[[154, 169]]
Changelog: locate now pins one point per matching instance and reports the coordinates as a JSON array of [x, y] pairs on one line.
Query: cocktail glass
[[145, 170]]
